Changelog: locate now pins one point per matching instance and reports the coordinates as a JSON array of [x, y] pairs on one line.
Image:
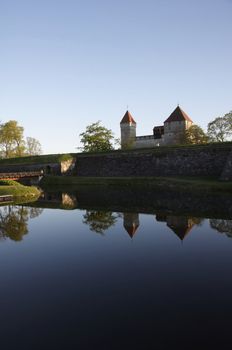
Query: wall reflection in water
[[14, 221], [100, 221], [114, 207]]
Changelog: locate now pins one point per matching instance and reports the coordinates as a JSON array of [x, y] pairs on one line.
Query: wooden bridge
[[21, 175]]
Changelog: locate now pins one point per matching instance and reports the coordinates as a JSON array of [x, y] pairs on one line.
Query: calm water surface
[[87, 278]]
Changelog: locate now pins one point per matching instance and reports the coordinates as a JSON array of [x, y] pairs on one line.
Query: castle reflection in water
[[180, 225], [100, 221], [14, 219]]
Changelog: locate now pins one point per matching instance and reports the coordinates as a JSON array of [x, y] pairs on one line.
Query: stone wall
[[227, 171], [147, 142], [63, 168], [67, 166], [48, 168], [208, 160]]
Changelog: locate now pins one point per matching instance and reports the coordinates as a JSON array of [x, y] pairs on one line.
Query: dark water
[[98, 278]]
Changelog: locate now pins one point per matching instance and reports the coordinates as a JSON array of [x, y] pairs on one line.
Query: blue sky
[[66, 64]]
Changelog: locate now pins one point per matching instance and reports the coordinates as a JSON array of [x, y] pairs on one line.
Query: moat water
[[80, 276]]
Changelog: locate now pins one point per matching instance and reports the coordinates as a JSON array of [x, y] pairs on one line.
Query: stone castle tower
[[175, 126], [128, 130], [170, 133]]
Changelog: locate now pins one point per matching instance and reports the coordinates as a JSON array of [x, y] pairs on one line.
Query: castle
[[168, 134]]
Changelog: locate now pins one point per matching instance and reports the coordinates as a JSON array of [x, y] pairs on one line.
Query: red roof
[[127, 118], [178, 115]]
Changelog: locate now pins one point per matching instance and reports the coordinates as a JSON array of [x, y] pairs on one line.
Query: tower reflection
[[180, 225], [131, 223]]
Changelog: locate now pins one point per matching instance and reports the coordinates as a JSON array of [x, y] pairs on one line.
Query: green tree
[[194, 135], [12, 143], [33, 146], [11, 139], [220, 129], [97, 138]]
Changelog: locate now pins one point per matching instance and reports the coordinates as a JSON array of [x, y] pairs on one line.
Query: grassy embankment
[[15, 189], [26, 193], [42, 159]]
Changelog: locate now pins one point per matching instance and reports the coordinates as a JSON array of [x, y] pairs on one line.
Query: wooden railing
[[20, 175]]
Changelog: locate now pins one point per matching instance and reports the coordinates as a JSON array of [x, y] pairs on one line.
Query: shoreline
[[183, 184], [18, 191]]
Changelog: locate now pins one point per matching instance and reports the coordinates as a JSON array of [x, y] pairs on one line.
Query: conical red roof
[[178, 115], [127, 119]]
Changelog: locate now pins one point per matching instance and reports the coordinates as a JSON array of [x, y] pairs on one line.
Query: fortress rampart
[[211, 160], [206, 160]]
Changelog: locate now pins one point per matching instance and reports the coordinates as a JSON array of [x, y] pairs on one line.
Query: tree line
[[14, 144], [97, 138], [219, 130]]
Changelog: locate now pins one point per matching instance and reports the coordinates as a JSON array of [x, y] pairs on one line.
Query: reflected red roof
[[127, 119], [178, 115], [181, 232], [131, 229]]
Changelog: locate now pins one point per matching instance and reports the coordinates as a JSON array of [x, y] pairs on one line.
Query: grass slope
[[43, 159], [9, 187]]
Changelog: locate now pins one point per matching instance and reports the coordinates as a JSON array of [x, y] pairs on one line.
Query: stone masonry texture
[[207, 160]]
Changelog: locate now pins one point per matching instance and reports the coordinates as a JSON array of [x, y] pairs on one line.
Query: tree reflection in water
[[99, 221], [222, 226], [14, 221]]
